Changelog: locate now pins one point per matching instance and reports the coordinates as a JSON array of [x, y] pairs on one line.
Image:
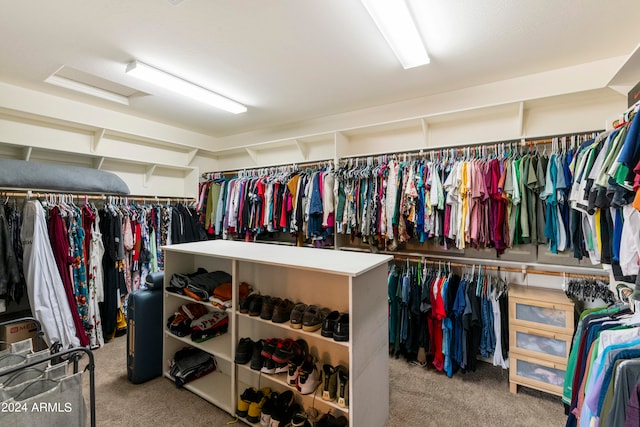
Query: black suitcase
[[144, 335]]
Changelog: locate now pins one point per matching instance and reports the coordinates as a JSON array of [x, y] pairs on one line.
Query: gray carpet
[[419, 397]]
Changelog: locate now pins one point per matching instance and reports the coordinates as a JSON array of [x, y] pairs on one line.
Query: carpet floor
[[418, 397]]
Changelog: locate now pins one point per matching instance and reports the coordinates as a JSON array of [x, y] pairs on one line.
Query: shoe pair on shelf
[[251, 402], [336, 326], [308, 317], [335, 384]]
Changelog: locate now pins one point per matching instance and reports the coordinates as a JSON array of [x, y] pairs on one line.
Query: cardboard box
[[17, 332]]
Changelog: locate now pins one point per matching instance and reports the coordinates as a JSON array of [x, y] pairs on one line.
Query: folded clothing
[[180, 322], [223, 292], [201, 282], [191, 363], [210, 325]]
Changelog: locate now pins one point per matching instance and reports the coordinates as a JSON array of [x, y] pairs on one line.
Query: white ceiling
[[291, 61]]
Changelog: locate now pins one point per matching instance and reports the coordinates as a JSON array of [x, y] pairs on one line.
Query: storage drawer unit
[[541, 325]]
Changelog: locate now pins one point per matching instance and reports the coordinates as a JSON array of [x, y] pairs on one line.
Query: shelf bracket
[[26, 153], [521, 118], [253, 154], [148, 174], [303, 149], [425, 132], [98, 162], [97, 138], [192, 155]]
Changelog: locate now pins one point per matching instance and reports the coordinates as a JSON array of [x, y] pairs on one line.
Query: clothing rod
[[257, 168], [526, 267], [542, 140], [496, 267], [90, 196]]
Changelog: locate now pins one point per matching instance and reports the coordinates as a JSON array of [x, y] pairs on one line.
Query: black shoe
[[255, 305], [284, 409], [282, 311], [268, 304], [269, 408], [244, 351], [257, 360], [269, 347], [246, 303], [341, 333], [329, 324]]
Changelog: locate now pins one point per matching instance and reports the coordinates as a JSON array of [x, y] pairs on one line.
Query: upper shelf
[[334, 262]]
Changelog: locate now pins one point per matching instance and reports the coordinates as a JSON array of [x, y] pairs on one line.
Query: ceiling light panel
[[182, 87], [86, 89], [396, 24]]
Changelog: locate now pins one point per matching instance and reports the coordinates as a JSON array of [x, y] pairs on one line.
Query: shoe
[[299, 419], [248, 396], [268, 409], [329, 382], [301, 349], [341, 333], [308, 376], [268, 367], [329, 324], [284, 352], [343, 387], [255, 408], [282, 409], [282, 311], [255, 305], [245, 304], [268, 305], [313, 317], [328, 420], [244, 351], [269, 347], [257, 360], [296, 315]]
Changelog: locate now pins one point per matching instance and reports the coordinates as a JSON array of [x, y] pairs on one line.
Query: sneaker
[[257, 360], [341, 333], [255, 305], [328, 420], [282, 409], [329, 382], [308, 376], [268, 409], [255, 408], [244, 351], [343, 387], [268, 367], [248, 396], [301, 349], [329, 324], [268, 304], [299, 419], [313, 317], [284, 352], [282, 311], [296, 315], [269, 347]]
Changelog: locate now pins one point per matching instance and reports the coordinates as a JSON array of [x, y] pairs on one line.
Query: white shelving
[[347, 282]]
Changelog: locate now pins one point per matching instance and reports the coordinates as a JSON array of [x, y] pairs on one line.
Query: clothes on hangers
[[454, 318], [267, 201]]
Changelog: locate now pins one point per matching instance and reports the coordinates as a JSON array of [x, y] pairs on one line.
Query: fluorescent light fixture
[[399, 30], [87, 89], [183, 87]]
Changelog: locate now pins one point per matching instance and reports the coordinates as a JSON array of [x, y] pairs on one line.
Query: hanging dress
[[96, 284], [47, 297]]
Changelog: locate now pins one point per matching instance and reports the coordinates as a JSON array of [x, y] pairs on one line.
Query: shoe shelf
[[300, 333], [219, 346], [348, 282], [281, 379], [213, 387]]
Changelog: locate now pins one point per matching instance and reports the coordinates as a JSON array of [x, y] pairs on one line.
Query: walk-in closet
[[337, 213]]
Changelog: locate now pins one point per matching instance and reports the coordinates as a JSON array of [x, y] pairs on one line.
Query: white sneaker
[[309, 377]]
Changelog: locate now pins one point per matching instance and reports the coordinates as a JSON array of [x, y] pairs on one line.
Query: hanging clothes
[[47, 293]]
